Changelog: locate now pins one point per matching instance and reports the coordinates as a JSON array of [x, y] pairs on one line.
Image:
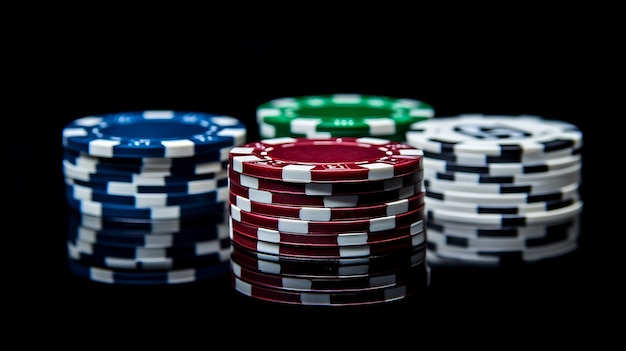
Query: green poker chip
[[270, 131], [341, 115]]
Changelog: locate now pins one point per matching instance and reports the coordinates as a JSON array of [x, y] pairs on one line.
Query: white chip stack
[[500, 189]]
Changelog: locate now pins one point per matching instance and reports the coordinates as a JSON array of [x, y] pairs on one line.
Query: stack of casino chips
[[347, 115], [334, 221], [500, 189], [147, 193]]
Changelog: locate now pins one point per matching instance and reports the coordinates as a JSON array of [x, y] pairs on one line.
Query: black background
[[525, 71]]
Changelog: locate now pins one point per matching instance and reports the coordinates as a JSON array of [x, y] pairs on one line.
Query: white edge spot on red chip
[[373, 141], [354, 251], [417, 227], [260, 196], [243, 203], [270, 248], [378, 171], [269, 235], [397, 207], [297, 173], [315, 213], [383, 223], [235, 213], [248, 182], [293, 226], [243, 287], [277, 141], [238, 161], [236, 268], [242, 150], [315, 299], [297, 283], [351, 239], [411, 152], [319, 189]]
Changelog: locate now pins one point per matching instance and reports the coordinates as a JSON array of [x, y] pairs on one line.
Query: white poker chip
[[531, 218], [494, 135]]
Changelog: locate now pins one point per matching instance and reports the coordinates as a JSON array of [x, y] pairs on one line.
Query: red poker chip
[[329, 213], [347, 200], [327, 239], [371, 225], [345, 298], [327, 284], [399, 246], [306, 160], [325, 189], [327, 268]]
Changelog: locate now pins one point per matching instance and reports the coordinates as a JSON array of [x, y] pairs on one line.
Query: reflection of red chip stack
[[330, 221]]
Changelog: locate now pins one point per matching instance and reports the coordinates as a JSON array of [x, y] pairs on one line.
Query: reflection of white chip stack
[[500, 188]]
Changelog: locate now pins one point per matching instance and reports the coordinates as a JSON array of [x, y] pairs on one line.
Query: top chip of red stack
[[334, 159]]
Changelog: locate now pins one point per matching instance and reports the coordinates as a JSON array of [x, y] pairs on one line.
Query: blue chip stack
[[148, 192]]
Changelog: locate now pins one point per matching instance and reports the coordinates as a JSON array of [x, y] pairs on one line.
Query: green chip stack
[[340, 115]]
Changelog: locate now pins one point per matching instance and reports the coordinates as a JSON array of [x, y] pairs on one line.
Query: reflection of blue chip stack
[[500, 188], [148, 192]]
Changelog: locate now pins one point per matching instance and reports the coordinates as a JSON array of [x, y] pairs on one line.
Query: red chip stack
[[332, 221]]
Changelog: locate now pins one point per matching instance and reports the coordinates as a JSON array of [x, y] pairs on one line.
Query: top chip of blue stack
[[156, 133]]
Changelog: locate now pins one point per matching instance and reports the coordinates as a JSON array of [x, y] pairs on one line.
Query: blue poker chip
[[130, 238], [139, 226], [153, 133], [219, 248], [100, 209], [152, 241], [172, 189], [80, 192], [96, 176], [81, 158], [149, 241], [142, 265], [133, 277], [87, 167]]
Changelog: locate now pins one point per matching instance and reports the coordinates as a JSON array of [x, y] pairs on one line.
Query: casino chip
[[499, 189], [148, 195], [164, 134], [306, 160], [346, 115], [500, 136], [327, 221]]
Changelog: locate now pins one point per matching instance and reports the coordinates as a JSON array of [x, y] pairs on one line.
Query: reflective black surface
[[519, 78]]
